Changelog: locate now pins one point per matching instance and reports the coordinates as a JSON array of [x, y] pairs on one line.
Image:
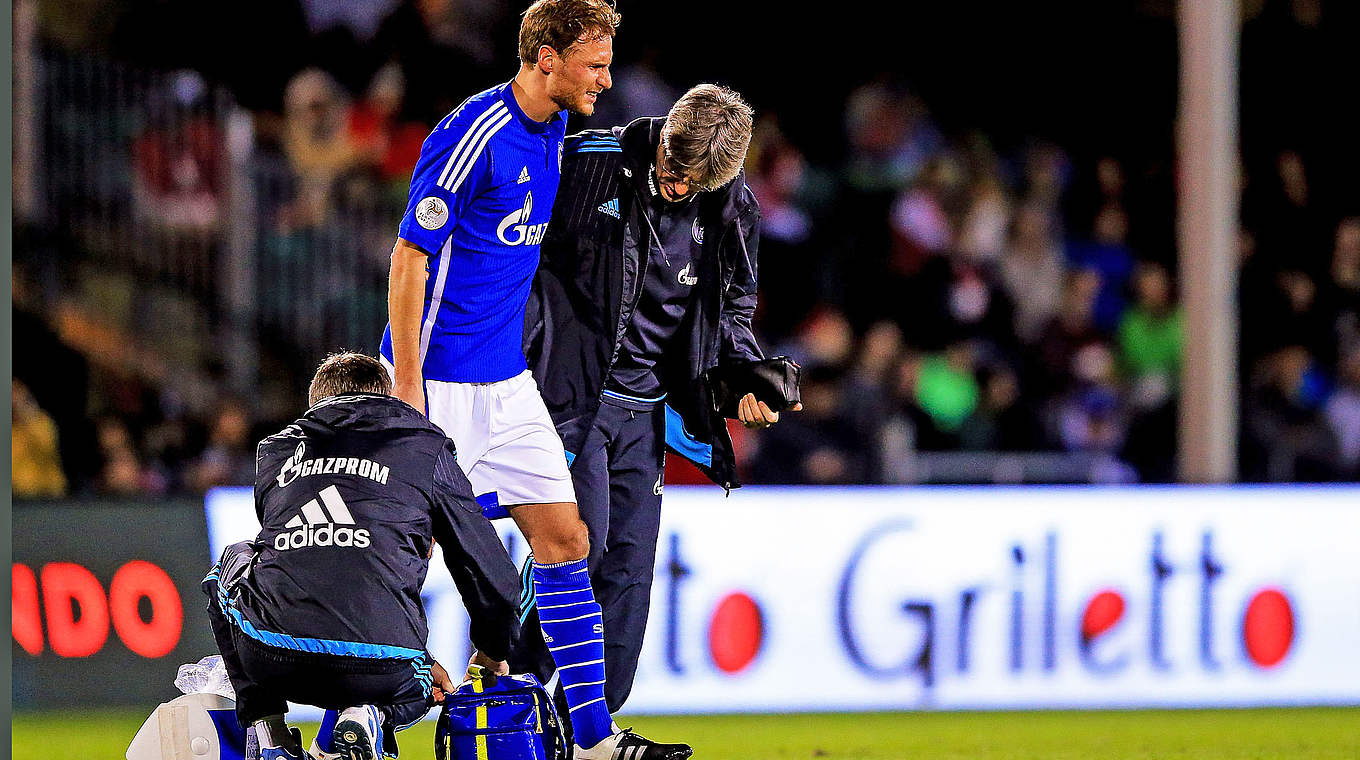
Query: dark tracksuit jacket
[[349, 498], [634, 299], [589, 282]]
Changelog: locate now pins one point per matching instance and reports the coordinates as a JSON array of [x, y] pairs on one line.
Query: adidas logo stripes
[[330, 496], [523, 176], [323, 526], [610, 207]]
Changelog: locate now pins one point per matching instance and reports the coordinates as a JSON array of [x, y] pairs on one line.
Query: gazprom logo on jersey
[[297, 467], [517, 223]]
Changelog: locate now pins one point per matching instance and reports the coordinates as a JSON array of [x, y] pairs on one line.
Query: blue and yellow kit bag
[[494, 717]]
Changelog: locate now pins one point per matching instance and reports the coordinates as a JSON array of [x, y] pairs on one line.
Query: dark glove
[[773, 381]]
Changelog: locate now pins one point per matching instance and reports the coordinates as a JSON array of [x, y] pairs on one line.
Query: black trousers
[[266, 678], [618, 480]]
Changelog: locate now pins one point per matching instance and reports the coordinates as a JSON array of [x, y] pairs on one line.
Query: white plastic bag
[[207, 676]]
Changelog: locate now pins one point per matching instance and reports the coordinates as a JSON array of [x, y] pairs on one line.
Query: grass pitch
[[1306, 734]]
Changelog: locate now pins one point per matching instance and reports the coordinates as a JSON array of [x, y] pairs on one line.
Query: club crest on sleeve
[[432, 213]]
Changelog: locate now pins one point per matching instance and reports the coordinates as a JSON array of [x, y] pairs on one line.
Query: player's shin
[[574, 632]]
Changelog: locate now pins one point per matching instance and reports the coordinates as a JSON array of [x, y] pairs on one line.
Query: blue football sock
[[323, 733], [574, 631]]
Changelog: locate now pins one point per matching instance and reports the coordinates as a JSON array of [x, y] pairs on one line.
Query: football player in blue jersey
[[467, 250]]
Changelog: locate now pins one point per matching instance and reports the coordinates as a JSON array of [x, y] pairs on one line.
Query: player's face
[[581, 75]]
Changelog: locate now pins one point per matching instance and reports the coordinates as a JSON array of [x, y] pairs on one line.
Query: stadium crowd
[[943, 289]]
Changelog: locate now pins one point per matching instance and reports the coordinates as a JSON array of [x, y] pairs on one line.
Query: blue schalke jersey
[[479, 204]]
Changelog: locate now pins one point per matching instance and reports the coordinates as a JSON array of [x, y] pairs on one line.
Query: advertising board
[[807, 599], [105, 600]]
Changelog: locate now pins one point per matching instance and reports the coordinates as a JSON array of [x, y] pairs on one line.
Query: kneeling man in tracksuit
[[323, 607]]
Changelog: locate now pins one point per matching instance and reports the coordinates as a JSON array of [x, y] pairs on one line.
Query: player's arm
[[453, 169], [405, 301], [481, 568]]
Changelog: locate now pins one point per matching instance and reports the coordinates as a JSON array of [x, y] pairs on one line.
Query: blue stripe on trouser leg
[[574, 633]]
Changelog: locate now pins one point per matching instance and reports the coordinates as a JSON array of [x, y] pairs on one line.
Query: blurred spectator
[[920, 223], [1002, 421], [1343, 299], [866, 386], [180, 159], [1089, 416], [825, 339], [1032, 270], [381, 134], [122, 473], [1099, 185], [977, 304], [1089, 420], [1151, 343], [819, 445], [791, 267], [880, 349], [1343, 413], [946, 389], [1294, 315], [229, 458], [982, 233], [1065, 334], [891, 138], [444, 50], [1290, 229], [59, 381], [1108, 254], [1151, 337], [35, 464], [1047, 170], [317, 139], [360, 17], [1287, 436]]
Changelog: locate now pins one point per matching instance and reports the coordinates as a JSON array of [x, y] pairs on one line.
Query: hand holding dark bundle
[[773, 384]]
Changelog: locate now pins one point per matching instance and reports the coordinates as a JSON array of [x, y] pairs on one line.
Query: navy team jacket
[[349, 498]]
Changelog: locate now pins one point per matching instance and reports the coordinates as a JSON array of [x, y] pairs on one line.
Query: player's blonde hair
[[706, 135], [348, 372], [560, 24]]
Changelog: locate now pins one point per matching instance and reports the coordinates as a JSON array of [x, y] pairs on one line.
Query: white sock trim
[[558, 564], [586, 704], [584, 683], [581, 644], [544, 621], [580, 665]]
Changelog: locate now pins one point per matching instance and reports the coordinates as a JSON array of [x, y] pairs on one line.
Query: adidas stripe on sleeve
[[454, 167]]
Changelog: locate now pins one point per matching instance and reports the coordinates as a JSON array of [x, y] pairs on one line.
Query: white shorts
[[507, 445]]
